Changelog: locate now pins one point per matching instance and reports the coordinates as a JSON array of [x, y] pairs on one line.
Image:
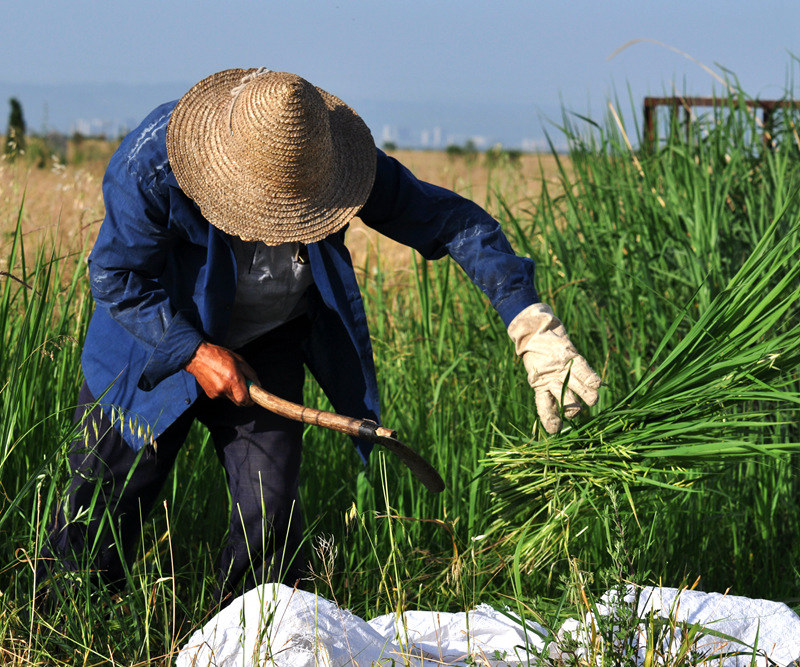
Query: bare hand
[[221, 372]]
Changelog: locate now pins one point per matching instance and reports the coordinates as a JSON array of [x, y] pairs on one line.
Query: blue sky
[[477, 65]]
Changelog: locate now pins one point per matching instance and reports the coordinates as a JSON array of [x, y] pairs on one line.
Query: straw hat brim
[[234, 200]]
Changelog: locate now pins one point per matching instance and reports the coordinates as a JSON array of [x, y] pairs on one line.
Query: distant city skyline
[[114, 109]]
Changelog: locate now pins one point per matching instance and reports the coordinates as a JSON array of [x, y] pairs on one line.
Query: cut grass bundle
[[712, 397]]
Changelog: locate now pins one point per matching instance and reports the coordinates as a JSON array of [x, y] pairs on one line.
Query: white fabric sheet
[[277, 625]]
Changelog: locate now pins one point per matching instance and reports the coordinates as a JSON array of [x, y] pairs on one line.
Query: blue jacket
[[164, 279]]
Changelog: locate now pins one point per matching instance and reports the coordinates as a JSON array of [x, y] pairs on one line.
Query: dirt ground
[[65, 202]]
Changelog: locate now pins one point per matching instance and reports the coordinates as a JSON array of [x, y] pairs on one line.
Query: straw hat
[[269, 157]]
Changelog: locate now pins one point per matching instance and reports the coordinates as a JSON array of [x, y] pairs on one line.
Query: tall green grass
[[675, 273], [722, 392], [680, 269]]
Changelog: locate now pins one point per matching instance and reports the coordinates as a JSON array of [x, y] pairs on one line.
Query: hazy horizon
[[498, 71], [111, 109]]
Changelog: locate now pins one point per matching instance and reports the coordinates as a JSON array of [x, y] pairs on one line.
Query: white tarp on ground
[[729, 627], [294, 628], [277, 625]]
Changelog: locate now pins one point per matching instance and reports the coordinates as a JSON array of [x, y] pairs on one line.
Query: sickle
[[360, 428]]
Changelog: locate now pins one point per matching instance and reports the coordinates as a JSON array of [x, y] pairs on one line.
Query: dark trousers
[[261, 454]]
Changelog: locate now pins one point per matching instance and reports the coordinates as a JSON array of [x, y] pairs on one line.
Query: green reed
[[682, 285], [675, 274]]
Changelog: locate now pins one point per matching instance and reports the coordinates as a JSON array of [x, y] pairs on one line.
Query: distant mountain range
[[115, 108]]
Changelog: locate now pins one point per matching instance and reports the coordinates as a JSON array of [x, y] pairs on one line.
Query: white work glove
[[549, 355]]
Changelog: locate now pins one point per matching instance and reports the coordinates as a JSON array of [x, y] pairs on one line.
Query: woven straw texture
[[269, 157]]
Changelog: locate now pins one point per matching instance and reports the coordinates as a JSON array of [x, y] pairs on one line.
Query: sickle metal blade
[[419, 467]]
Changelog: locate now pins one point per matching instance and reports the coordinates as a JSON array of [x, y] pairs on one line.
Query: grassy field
[[64, 203], [676, 274]]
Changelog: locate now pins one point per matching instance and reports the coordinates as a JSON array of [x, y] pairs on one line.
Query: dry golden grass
[[61, 204], [64, 203], [520, 182]]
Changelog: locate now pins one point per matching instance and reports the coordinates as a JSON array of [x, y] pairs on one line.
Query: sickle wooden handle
[[359, 428]]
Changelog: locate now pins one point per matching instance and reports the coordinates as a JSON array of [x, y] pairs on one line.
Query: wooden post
[[675, 121], [649, 126]]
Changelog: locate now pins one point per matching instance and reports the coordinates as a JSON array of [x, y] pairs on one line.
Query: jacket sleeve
[[435, 221], [125, 264]]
